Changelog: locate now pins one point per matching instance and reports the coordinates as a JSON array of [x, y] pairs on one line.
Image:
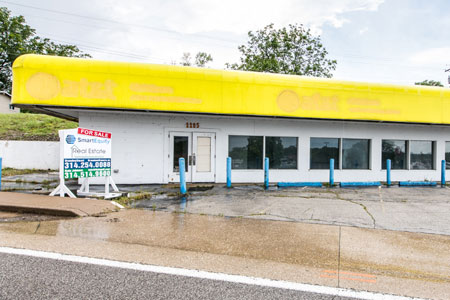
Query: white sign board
[[87, 153]]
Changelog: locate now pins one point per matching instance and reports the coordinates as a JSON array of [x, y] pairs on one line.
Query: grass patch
[[127, 201], [13, 172], [32, 127]]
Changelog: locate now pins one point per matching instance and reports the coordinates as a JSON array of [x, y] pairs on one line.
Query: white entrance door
[[198, 150]]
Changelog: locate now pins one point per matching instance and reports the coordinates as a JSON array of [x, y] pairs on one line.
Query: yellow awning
[[71, 82]]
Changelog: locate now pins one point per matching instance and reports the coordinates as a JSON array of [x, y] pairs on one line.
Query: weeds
[[14, 172]]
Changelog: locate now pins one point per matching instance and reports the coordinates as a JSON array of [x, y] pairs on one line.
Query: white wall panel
[[30, 155], [140, 144]]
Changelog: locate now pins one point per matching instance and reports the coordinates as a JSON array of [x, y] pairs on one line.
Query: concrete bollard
[[266, 173], [228, 172], [388, 172], [0, 173], [182, 176], [331, 172], [443, 173]]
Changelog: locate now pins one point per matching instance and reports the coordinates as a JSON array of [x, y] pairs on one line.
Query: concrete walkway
[[39, 204]]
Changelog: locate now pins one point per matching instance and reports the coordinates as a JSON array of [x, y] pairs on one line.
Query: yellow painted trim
[[72, 82]]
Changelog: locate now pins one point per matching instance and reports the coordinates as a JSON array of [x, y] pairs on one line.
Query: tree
[[17, 38], [292, 50], [201, 59], [430, 83], [186, 59]]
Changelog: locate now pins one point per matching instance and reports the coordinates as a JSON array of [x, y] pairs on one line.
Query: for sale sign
[[87, 153]]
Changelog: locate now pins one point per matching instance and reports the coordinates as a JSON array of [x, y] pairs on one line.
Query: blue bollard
[[442, 172], [266, 173], [388, 172], [228, 172], [331, 172], [0, 173], [182, 176]]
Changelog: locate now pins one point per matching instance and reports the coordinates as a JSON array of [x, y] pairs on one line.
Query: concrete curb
[[56, 206]]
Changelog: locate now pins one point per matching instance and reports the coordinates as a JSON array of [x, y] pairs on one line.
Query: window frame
[[369, 154], [406, 154], [447, 162], [433, 155], [297, 148], [339, 166], [263, 152]]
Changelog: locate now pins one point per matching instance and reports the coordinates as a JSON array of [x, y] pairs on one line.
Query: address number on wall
[[192, 125]]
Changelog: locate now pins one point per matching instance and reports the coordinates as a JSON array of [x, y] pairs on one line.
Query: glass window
[[246, 152], [355, 153], [322, 150], [282, 152], [395, 150], [421, 155], [180, 149], [447, 155]]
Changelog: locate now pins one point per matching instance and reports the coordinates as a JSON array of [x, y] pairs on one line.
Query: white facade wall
[[30, 155], [140, 145]]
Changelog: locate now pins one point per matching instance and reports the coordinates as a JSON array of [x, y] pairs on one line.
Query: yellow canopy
[[49, 81]]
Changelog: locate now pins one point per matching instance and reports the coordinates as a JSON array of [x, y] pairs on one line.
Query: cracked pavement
[[422, 210]]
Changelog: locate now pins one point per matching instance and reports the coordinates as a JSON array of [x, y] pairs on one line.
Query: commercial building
[[158, 113]]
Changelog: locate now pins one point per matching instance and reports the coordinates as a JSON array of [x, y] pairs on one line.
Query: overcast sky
[[389, 41]]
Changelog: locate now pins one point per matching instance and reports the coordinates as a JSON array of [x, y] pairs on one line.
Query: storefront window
[[246, 152], [421, 155], [395, 150], [447, 155], [355, 153], [282, 152], [322, 150]]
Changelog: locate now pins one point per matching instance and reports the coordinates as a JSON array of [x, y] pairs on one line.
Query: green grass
[[32, 127], [13, 172]]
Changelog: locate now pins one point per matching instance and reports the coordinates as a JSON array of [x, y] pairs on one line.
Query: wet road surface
[[383, 261], [25, 277]]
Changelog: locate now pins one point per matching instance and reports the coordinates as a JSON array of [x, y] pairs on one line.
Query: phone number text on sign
[[86, 167]]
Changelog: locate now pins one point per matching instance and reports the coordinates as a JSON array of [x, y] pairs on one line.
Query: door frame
[[170, 161], [167, 148], [204, 176]]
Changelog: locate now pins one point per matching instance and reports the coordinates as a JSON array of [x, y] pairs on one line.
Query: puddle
[[41, 178], [200, 188], [277, 241], [12, 217], [249, 188], [162, 202], [26, 186]]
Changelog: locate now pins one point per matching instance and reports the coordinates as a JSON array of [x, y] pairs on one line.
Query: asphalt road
[[26, 277]]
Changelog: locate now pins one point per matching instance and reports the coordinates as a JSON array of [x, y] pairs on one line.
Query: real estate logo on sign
[[87, 153]]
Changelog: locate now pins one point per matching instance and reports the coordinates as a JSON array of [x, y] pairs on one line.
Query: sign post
[[85, 153]]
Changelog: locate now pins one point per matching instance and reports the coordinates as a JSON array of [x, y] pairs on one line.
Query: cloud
[[363, 30], [432, 56], [238, 16]]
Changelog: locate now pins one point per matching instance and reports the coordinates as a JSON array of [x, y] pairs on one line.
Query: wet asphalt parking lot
[[418, 209]]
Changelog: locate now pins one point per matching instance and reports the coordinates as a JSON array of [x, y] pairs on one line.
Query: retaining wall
[[30, 154]]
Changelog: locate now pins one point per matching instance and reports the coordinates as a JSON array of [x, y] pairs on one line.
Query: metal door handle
[[190, 160], [193, 160]]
